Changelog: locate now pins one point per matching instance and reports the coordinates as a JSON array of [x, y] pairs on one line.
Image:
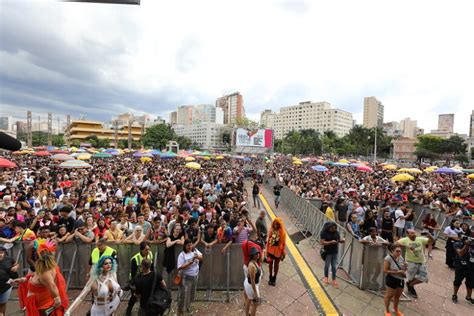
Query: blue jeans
[[331, 259]]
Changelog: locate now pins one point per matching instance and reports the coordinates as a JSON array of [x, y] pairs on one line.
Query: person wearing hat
[[415, 258], [252, 282], [8, 271]]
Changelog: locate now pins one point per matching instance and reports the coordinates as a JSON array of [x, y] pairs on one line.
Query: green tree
[[428, 147], [157, 136], [184, 142], [58, 140], [246, 123]]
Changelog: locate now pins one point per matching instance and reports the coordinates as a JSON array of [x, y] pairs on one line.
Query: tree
[[157, 136], [184, 142], [428, 147], [58, 140], [246, 123]]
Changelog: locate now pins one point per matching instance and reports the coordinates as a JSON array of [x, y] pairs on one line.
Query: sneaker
[[470, 300], [398, 313], [430, 256], [325, 281], [334, 283], [411, 291], [454, 298], [388, 314]]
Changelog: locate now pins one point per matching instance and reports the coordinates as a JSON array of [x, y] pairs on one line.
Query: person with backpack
[[144, 283]]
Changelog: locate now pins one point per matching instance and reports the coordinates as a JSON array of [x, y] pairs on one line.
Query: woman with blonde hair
[[136, 237], [44, 291], [276, 243], [105, 289]]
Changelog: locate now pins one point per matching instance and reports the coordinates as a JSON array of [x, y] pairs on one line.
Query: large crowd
[[125, 200]]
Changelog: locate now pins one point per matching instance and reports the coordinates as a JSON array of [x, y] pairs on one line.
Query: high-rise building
[[207, 113], [205, 135], [373, 112], [392, 129], [174, 117], [6, 123], [471, 129], [310, 115], [232, 106], [446, 123], [409, 128], [21, 127], [267, 118]]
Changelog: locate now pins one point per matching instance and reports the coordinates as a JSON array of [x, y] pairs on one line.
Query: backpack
[[159, 302]]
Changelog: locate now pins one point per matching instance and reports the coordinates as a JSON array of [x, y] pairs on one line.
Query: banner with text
[[254, 138]]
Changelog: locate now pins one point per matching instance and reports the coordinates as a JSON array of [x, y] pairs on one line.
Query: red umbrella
[[5, 163], [58, 151], [365, 168], [41, 153]]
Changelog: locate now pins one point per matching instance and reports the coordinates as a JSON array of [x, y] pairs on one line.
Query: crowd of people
[[123, 200]]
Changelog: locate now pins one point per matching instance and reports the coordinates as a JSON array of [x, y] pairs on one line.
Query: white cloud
[[415, 56]]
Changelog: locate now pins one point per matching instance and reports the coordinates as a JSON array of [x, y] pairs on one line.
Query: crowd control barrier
[[218, 272]]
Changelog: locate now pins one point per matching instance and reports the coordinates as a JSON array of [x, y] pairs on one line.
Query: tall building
[[174, 117], [232, 106], [185, 115], [392, 129], [471, 129], [6, 123], [373, 112], [267, 119], [205, 135], [207, 113], [21, 127], [446, 123], [312, 115], [409, 128]]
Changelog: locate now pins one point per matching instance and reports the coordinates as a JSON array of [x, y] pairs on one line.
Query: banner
[[254, 138]]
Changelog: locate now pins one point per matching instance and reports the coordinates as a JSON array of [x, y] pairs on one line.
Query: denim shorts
[[5, 296]]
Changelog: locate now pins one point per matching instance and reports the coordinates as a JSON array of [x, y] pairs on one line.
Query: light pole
[[375, 145]]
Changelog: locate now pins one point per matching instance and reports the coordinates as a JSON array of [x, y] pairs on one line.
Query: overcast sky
[[417, 57]]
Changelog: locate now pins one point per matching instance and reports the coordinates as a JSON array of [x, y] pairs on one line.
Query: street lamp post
[[375, 146]]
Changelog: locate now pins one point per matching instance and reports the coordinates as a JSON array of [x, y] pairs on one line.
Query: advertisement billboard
[[262, 138]]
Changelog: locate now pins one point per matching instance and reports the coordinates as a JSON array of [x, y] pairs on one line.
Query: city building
[[373, 112], [174, 117], [207, 113], [312, 115], [267, 119], [81, 129], [404, 149], [205, 135], [184, 115], [158, 120], [471, 126], [392, 129], [21, 127], [409, 128], [6, 123], [446, 123], [232, 106]]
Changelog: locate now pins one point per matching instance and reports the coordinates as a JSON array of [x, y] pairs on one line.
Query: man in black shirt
[[341, 210], [144, 284], [464, 267], [65, 219], [277, 193]]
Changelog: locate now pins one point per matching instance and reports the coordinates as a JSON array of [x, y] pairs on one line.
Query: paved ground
[[434, 297]]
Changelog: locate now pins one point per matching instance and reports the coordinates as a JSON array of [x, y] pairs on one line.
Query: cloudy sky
[[98, 60]]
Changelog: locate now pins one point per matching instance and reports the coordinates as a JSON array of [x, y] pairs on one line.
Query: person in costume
[[276, 243], [105, 289], [43, 292]]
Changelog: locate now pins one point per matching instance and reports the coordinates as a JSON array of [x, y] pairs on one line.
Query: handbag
[[323, 253], [178, 279]]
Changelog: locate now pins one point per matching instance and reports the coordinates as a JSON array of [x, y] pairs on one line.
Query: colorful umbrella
[[365, 168], [145, 159], [319, 168], [341, 164], [155, 152], [84, 156], [193, 165], [297, 162], [101, 155], [402, 177], [389, 167], [75, 164], [168, 155], [189, 159], [470, 176], [431, 169], [59, 151], [42, 153], [222, 157], [447, 171], [414, 170], [5, 163], [62, 157], [468, 170], [343, 161]]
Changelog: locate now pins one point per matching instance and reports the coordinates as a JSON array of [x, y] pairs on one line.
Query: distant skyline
[[101, 60]]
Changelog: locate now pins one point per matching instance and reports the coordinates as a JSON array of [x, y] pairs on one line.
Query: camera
[[470, 240]]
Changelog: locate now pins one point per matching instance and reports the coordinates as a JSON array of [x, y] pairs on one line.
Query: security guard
[[135, 269], [101, 250]]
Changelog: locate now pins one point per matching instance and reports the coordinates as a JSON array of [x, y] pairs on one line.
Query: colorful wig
[[97, 270]]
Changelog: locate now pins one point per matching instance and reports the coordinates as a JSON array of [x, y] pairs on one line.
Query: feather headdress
[[45, 245]]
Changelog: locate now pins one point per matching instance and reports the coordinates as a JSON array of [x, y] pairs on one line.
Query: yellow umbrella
[[470, 176], [193, 165], [297, 162], [404, 170], [189, 159], [457, 167], [402, 177], [206, 158], [414, 170], [389, 167], [344, 161], [145, 159], [84, 156], [431, 169], [219, 157]]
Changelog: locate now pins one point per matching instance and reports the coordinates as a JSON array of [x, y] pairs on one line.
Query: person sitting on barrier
[[105, 289], [102, 250], [452, 232], [275, 248], [252, 282], [188, 266], [43, 292], [431, 226], [353, 226], [373, 238], [415, 258], [394, 268], [135, 269], [329, 239]]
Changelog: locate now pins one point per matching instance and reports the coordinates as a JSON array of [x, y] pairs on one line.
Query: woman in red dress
[[276, 243], [44, 291]]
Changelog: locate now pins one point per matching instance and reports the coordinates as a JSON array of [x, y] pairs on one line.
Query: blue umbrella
[[155, 152], [247, 159], [341, 164], [447, 170], [319, 168]]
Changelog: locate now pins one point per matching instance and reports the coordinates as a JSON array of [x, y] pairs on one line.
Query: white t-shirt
[[400, 222], [448, 231], [378, 239], [192, 270]]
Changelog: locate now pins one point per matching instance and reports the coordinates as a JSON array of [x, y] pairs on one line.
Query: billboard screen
[[254, 138]]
